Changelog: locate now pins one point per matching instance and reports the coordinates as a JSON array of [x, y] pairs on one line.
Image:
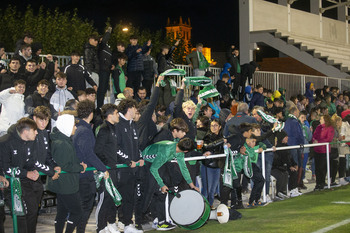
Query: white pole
[[328, 168], [263, 173]]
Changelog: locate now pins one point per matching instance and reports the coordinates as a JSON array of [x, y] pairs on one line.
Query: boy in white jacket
[[12, 100]]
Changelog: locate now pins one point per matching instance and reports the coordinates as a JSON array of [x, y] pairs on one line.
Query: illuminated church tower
[[180, 29]]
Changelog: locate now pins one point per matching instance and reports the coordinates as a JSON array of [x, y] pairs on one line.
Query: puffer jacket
[[90, 58]]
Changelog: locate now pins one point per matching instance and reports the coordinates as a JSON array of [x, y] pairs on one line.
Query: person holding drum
[[159, 177]]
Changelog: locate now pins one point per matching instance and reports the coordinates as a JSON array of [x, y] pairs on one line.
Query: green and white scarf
[[117, 198], [17, 204], [272, 120], [229, 169], [198, 81]]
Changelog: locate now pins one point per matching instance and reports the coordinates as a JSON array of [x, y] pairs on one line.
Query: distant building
[[183, 30]]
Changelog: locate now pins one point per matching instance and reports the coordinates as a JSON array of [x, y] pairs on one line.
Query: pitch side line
[[332, 227]]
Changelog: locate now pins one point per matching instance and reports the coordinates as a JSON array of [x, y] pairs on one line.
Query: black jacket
[[7, 79], [105, 53], [146, 127], [32, 79], [42, 148], [35, 100], [77, 76], [165, 61], [90, 58], [16, 152], [127, 141], [135, 60], [222, 88], [106, 146]]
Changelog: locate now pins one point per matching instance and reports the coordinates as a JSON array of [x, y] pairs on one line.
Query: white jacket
[[345, 131], [12, 108]]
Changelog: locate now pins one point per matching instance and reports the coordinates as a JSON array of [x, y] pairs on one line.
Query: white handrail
[[272, 150]]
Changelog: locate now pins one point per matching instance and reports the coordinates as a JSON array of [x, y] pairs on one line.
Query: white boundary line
[[332, 227]]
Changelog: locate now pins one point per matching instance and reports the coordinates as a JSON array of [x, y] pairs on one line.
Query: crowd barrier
[[198, 158]]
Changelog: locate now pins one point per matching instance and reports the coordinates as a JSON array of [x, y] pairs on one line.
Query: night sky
[[214, 22]]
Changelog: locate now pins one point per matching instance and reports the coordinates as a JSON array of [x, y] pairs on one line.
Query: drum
[[190, 210]]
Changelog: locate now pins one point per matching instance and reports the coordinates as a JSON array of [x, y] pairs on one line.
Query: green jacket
[[240, 159], [161, 152], [63, 152], [194, 59]]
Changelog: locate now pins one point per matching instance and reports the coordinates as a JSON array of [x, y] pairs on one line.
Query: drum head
[[187, 209]]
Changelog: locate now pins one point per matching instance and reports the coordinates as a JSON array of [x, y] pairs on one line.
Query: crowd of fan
[[38, 99]]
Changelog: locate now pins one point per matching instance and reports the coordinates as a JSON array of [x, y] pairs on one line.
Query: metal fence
[[293, 83]]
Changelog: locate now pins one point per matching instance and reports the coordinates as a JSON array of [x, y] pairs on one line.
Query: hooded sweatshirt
[[12, 108], [63, 152], [226, 71], [309, 93]]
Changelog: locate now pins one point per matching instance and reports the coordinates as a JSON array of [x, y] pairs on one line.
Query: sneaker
[[335, 184], [138, 227], [347, 179], [302, 186], [121, 226], [131, 229], [295, 193], [282, 195], [259, 203], [165, 226], [112, 228], [305, 181], [251, 205], [319, 188], [342, 181], [104, 230], [155, 223], [237, 205], [148, 227], [268, 199]]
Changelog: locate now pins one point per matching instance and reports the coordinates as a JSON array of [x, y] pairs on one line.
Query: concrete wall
[[268, 16]]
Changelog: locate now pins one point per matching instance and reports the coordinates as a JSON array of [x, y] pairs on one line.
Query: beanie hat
[[208, 91], [65, 124]]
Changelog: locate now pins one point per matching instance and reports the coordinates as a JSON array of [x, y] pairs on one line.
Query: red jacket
[[323, 134]]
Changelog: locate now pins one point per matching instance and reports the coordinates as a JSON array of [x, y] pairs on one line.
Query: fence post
[[263, 173], [328, 168], [14, 216]]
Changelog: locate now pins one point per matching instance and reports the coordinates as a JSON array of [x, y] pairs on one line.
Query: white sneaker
[[282, 195], [342, 181], [155, 223], [268, 199], [295, 193], [113, 228], [121, 226], [305, 181], [131, 229], [104, 230]]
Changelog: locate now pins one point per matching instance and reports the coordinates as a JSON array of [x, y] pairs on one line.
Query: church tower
[[181, 28]]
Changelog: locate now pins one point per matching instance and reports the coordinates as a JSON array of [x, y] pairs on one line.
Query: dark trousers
[[134, 80], [103, 87], [32, 192], [281, 177], [258, 186], [68, 204], [2, 219], [342, 167], [320, 169], [106, 210], [148, 85], [293, 179], [334, 169], [87, 192], [126, 181], [236, 192]]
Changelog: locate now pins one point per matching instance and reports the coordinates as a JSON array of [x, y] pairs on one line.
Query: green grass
[[307, 213]]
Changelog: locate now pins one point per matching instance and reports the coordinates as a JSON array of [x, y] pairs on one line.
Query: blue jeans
[[296, 155], [210, 181]]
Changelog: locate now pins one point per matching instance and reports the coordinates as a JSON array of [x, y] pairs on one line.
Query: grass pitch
[[307, 213]]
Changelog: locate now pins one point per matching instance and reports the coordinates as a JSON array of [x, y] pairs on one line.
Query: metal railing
[[293, 83]]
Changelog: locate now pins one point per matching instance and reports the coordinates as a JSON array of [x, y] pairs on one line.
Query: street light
[[125, 29]]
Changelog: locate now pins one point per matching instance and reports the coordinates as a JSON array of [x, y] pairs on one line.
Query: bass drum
[[190, 210]]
